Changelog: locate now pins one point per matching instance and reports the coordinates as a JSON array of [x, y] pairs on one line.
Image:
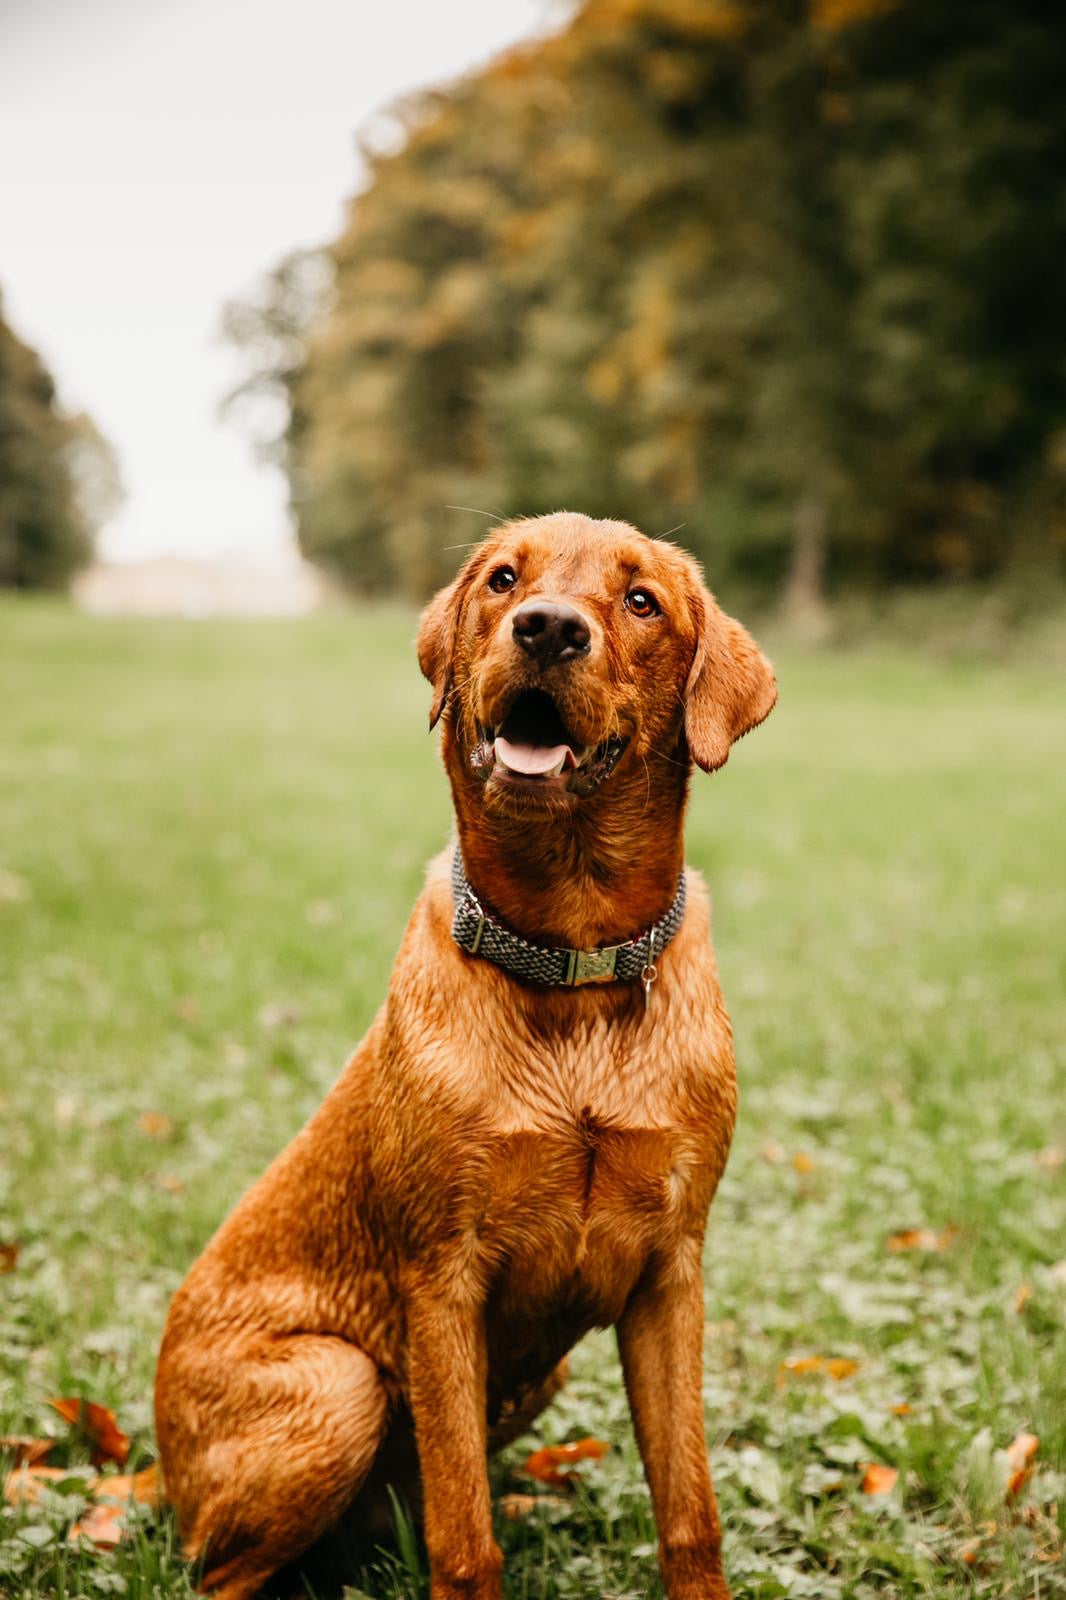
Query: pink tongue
[[532, 759]]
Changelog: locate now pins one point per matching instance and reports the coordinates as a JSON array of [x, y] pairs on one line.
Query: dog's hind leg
[[519, 1411], [262, 1453]]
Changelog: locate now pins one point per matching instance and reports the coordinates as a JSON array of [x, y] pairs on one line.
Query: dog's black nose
[[551, 631]]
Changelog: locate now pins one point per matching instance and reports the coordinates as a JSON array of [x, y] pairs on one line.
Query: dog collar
[[477, 931]]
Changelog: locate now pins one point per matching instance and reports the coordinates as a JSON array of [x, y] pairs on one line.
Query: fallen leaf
[[112, 1491], [155, 1125], [1051, 1158], [1022, 1298], [544, 1464], [145, 1487], [102, 1525], [803, 1163], [26, 1450], [9, 1254], [1020, 1452], [900, 1409], [107, 1442], [921, 1239], [25, 1485], [878, 1479], [837, 1367], [517, 1506]]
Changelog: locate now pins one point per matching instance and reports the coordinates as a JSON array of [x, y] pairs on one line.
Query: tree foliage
[[58, 477], [787, 272]]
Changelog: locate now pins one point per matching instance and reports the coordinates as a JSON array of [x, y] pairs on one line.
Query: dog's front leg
[[447, 1379], [660, 1337]]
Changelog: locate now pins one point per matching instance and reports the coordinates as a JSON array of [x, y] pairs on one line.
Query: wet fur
[[500, 1167]]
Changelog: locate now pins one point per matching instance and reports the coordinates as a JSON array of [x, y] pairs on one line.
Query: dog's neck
[[594, 875]]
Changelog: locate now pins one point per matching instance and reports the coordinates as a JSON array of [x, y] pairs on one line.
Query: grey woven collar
[[476, 930]]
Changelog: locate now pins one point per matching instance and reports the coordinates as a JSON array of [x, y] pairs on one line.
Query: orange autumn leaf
[[25, 1485], [545, 1464], [155, 1125], [1022, 1298], [111, 1492], [803, 1163], [27, 1451], [799, 1366], [921, 1239], [517, 1506], [9, 1254], [878, 1479], [107, 1442], [102, 1525], [144, 1487], [900, 1409], [837, 1367], [1020, 1452]]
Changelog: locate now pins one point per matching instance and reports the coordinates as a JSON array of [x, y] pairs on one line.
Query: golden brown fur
[[500, 1167]]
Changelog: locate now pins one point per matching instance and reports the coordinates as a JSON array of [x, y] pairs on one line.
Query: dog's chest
[[601, 1155], [572, 1211]]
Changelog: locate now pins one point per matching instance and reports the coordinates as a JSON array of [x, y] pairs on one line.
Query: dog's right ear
[[437, 630]]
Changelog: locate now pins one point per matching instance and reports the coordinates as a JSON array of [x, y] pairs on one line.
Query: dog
[[527, 1141]]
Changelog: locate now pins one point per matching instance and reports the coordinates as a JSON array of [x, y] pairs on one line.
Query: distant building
[[275, 582]]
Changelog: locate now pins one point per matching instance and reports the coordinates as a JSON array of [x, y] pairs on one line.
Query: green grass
[[210, 837]]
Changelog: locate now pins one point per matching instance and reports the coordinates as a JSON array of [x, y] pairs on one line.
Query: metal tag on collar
[[591, 966], [650, 973]]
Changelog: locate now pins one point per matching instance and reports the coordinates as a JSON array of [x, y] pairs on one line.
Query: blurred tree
[[96, 477], [58, 477], [955, 174], [782, 271]]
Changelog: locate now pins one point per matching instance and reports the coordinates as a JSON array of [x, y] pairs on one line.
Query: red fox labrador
[[526, 1143]]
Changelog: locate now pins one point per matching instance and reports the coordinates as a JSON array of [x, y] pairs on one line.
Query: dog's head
[[568, 649]]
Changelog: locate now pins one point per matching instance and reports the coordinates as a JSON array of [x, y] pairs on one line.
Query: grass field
[[210, 836]]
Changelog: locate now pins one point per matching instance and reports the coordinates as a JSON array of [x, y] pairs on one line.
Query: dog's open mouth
[[533, 746]]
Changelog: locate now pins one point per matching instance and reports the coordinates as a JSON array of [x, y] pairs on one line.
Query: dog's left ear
[[731, 687], [437, 630]]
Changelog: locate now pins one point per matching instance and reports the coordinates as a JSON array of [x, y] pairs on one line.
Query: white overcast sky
[[157, 156]]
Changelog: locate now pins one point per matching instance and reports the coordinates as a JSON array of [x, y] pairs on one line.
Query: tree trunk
[[805, 606]]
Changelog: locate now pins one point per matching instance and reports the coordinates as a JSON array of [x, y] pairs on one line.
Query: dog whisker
[[477, 511]]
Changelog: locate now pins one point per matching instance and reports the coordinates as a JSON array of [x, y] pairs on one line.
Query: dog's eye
[[502, 580], [641, 603]]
